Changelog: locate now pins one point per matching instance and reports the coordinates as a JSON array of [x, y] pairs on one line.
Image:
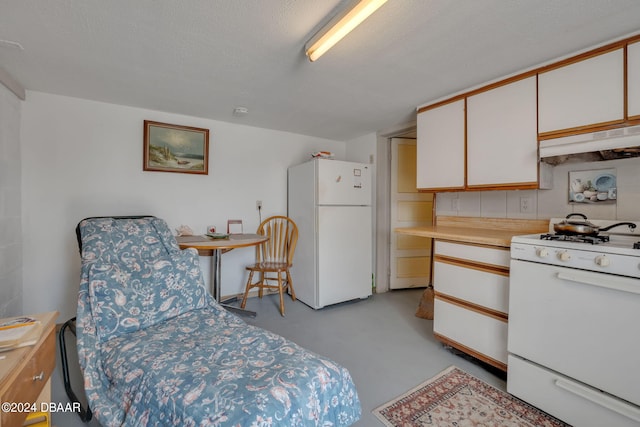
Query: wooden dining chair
[[274, 258]]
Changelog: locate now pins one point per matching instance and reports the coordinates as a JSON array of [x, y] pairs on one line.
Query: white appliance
[[330, 201], [574, 319], [615, 140]]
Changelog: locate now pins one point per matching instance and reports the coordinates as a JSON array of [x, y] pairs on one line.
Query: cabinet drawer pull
[[616, 283], [39, 377]]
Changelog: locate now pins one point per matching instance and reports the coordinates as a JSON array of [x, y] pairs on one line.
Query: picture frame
[[175, 148], [593, 187], [234, 226]]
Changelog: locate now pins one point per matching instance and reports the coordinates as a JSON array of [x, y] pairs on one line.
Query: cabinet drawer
[[482, 333], [482, 288], [481, 254], [567, 399], [31, 379]]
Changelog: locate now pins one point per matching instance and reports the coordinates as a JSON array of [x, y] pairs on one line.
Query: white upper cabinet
[[633, 79], [440, 147], [584, 93], [502, 136]]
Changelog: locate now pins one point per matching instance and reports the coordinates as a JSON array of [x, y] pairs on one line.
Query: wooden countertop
[[484, 231]]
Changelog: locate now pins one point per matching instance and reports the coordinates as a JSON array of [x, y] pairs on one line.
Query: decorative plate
[[578, 197], [604, 182], [218, 235]]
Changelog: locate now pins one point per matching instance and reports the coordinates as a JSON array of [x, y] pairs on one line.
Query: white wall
[[83, 158], [362, 149], [10, 221], [554, 202]]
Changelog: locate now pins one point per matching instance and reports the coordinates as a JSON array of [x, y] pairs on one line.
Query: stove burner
[[594, 240]]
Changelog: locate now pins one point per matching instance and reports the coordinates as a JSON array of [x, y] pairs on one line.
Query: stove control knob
[[542, 252], [564, 256], [602, 261]]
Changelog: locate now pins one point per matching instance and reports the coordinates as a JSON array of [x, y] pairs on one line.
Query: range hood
[[620, 143]]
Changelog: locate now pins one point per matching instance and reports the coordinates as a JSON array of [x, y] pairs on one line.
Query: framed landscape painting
[[174, 148]]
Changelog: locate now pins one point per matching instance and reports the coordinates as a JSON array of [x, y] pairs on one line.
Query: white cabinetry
[[440, 150], [502, 136], [471, 284], [585, 93], [633, 80]]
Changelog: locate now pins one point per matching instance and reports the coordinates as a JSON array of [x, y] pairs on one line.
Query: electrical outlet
[[525, 204], [258, 204], [454, 204]]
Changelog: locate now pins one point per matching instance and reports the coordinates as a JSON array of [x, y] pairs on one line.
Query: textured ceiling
[[204, 57]]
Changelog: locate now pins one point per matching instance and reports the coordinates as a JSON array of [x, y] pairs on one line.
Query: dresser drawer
[[31, 379], [474, 253], [485, 288], [482, 333]]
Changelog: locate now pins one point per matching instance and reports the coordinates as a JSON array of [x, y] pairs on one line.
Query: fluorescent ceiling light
[[340, 26]]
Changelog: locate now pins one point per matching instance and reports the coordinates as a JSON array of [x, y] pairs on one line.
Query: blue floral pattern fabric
[[190, 363], [133, 304]]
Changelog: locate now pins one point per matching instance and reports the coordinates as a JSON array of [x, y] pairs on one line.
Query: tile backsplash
[[543, 204]]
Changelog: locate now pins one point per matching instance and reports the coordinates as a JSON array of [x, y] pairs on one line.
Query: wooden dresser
[[24, 376]]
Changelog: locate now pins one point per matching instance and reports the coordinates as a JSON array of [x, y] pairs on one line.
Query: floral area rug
[[455, 398]]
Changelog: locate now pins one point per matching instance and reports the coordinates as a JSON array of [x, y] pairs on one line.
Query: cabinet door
[[633, 80], [502, 137], [585, 93], [440, 151]]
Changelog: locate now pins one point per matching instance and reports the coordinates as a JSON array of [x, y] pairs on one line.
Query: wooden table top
[[205, 245]]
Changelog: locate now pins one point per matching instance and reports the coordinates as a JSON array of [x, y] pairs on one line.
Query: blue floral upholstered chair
[[156, 349]]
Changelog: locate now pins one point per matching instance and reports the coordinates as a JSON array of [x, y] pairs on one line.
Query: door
[[441, 147], [344, 254], [633, 80], [410, 263], [585, 93], [501, 125]]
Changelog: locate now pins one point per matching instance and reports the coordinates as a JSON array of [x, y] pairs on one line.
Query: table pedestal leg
[[216, 266], [216, 286]]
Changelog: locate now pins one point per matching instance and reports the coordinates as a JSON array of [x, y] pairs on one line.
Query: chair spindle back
[[283, 236]]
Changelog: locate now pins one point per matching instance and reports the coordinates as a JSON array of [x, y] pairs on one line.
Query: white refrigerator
[[330, 201]]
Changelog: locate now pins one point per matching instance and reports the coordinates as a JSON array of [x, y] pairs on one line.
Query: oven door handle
[[599, 398], [612, 282]]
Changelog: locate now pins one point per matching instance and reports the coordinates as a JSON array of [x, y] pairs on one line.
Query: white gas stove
[[574, 314], [616, 251]]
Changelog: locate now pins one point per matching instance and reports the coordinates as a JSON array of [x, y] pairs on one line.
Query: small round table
[[208, 246]]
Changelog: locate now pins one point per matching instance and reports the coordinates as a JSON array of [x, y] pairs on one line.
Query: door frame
[[383, 201]]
